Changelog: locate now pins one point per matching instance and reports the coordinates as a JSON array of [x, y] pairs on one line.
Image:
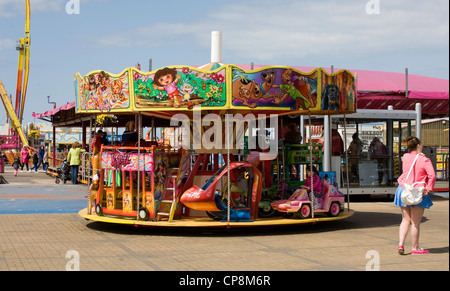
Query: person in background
[[292, 135], [423, 171], [129, 135], [45, 165], [35, 162], [337, 144], [376, 147], [104, 139], [377, 151], [354, 151], [24, 158], [355, 147], [16, 165], [73, 157], [41, 154]]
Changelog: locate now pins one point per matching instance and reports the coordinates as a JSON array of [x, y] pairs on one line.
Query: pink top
[[423, 171], [24, 156], [317, 184]]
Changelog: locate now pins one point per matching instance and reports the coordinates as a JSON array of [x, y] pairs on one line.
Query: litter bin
[[2, 165]]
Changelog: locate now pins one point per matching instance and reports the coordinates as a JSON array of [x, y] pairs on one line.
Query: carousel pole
[[346, 162], [139, 166], [311, 193], [283, 160], [302, 133], [90, 150], [326, 144], [227, 133], [327, 137]]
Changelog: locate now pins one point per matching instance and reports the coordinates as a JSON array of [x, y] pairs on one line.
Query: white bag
[[412, 195]]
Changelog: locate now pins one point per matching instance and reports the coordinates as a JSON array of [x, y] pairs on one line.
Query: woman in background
[[412, 215], [73, 157]]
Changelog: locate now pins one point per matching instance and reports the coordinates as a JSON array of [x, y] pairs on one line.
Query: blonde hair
[[76, 145], [129, 126]]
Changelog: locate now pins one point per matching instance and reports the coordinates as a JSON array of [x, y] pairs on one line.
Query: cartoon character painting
[[183, 88], [247, 90], [289, 89], [166, 79], [179, 88], [338, 91], [275, 87], [330, 97], [101, 91]]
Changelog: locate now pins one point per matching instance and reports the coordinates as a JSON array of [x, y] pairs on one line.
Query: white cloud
[[265, 30], [7, 44]]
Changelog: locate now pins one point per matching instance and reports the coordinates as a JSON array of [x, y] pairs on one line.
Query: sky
[[112, 35]]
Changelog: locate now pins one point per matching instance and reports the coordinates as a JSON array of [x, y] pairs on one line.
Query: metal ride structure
[[16, 113], [142, 183]]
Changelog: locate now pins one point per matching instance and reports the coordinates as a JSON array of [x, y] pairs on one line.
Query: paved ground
[[56, 241]]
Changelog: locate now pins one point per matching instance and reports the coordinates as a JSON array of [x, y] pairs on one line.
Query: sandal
[[419, 252], [401, 250]]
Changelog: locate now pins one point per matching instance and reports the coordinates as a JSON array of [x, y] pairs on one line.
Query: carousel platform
[[206, 222]]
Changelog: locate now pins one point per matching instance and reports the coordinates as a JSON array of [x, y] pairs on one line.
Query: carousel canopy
[[50, 113], [378, 90], [218, 88], [264, 89]]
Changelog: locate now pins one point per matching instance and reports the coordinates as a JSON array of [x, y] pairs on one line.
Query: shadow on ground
[[360, 220]]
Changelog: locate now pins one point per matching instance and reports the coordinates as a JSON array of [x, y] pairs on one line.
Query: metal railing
[[9, 142], [86, 167]]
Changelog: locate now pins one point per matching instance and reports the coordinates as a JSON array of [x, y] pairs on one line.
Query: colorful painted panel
[[161, 166], [102, 91], [275, 88], [182, 87], [126, 161], [227, 87], [288, 89], [338, 91]]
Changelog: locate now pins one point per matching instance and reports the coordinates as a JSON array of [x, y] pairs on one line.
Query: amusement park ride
[[143, 184], [203, 183], [16, 114]]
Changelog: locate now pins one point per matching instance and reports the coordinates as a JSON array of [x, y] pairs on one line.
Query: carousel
[[229, 165]]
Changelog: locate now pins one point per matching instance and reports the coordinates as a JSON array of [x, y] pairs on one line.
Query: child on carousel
[[317, 186]]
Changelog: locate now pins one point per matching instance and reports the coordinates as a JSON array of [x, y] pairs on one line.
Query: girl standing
[[412, 215]]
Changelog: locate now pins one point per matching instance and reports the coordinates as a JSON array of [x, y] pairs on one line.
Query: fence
[[9, 142]]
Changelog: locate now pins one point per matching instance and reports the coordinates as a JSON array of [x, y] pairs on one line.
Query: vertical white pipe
[[406, 83], [216, 47], [419, 121]]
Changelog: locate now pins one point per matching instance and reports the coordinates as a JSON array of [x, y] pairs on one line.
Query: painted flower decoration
[[220, 79]]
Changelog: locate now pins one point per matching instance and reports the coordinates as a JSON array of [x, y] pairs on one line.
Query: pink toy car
[[300, 204]]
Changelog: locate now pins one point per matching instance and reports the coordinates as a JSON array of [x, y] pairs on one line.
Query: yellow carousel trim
[[209, 223]]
